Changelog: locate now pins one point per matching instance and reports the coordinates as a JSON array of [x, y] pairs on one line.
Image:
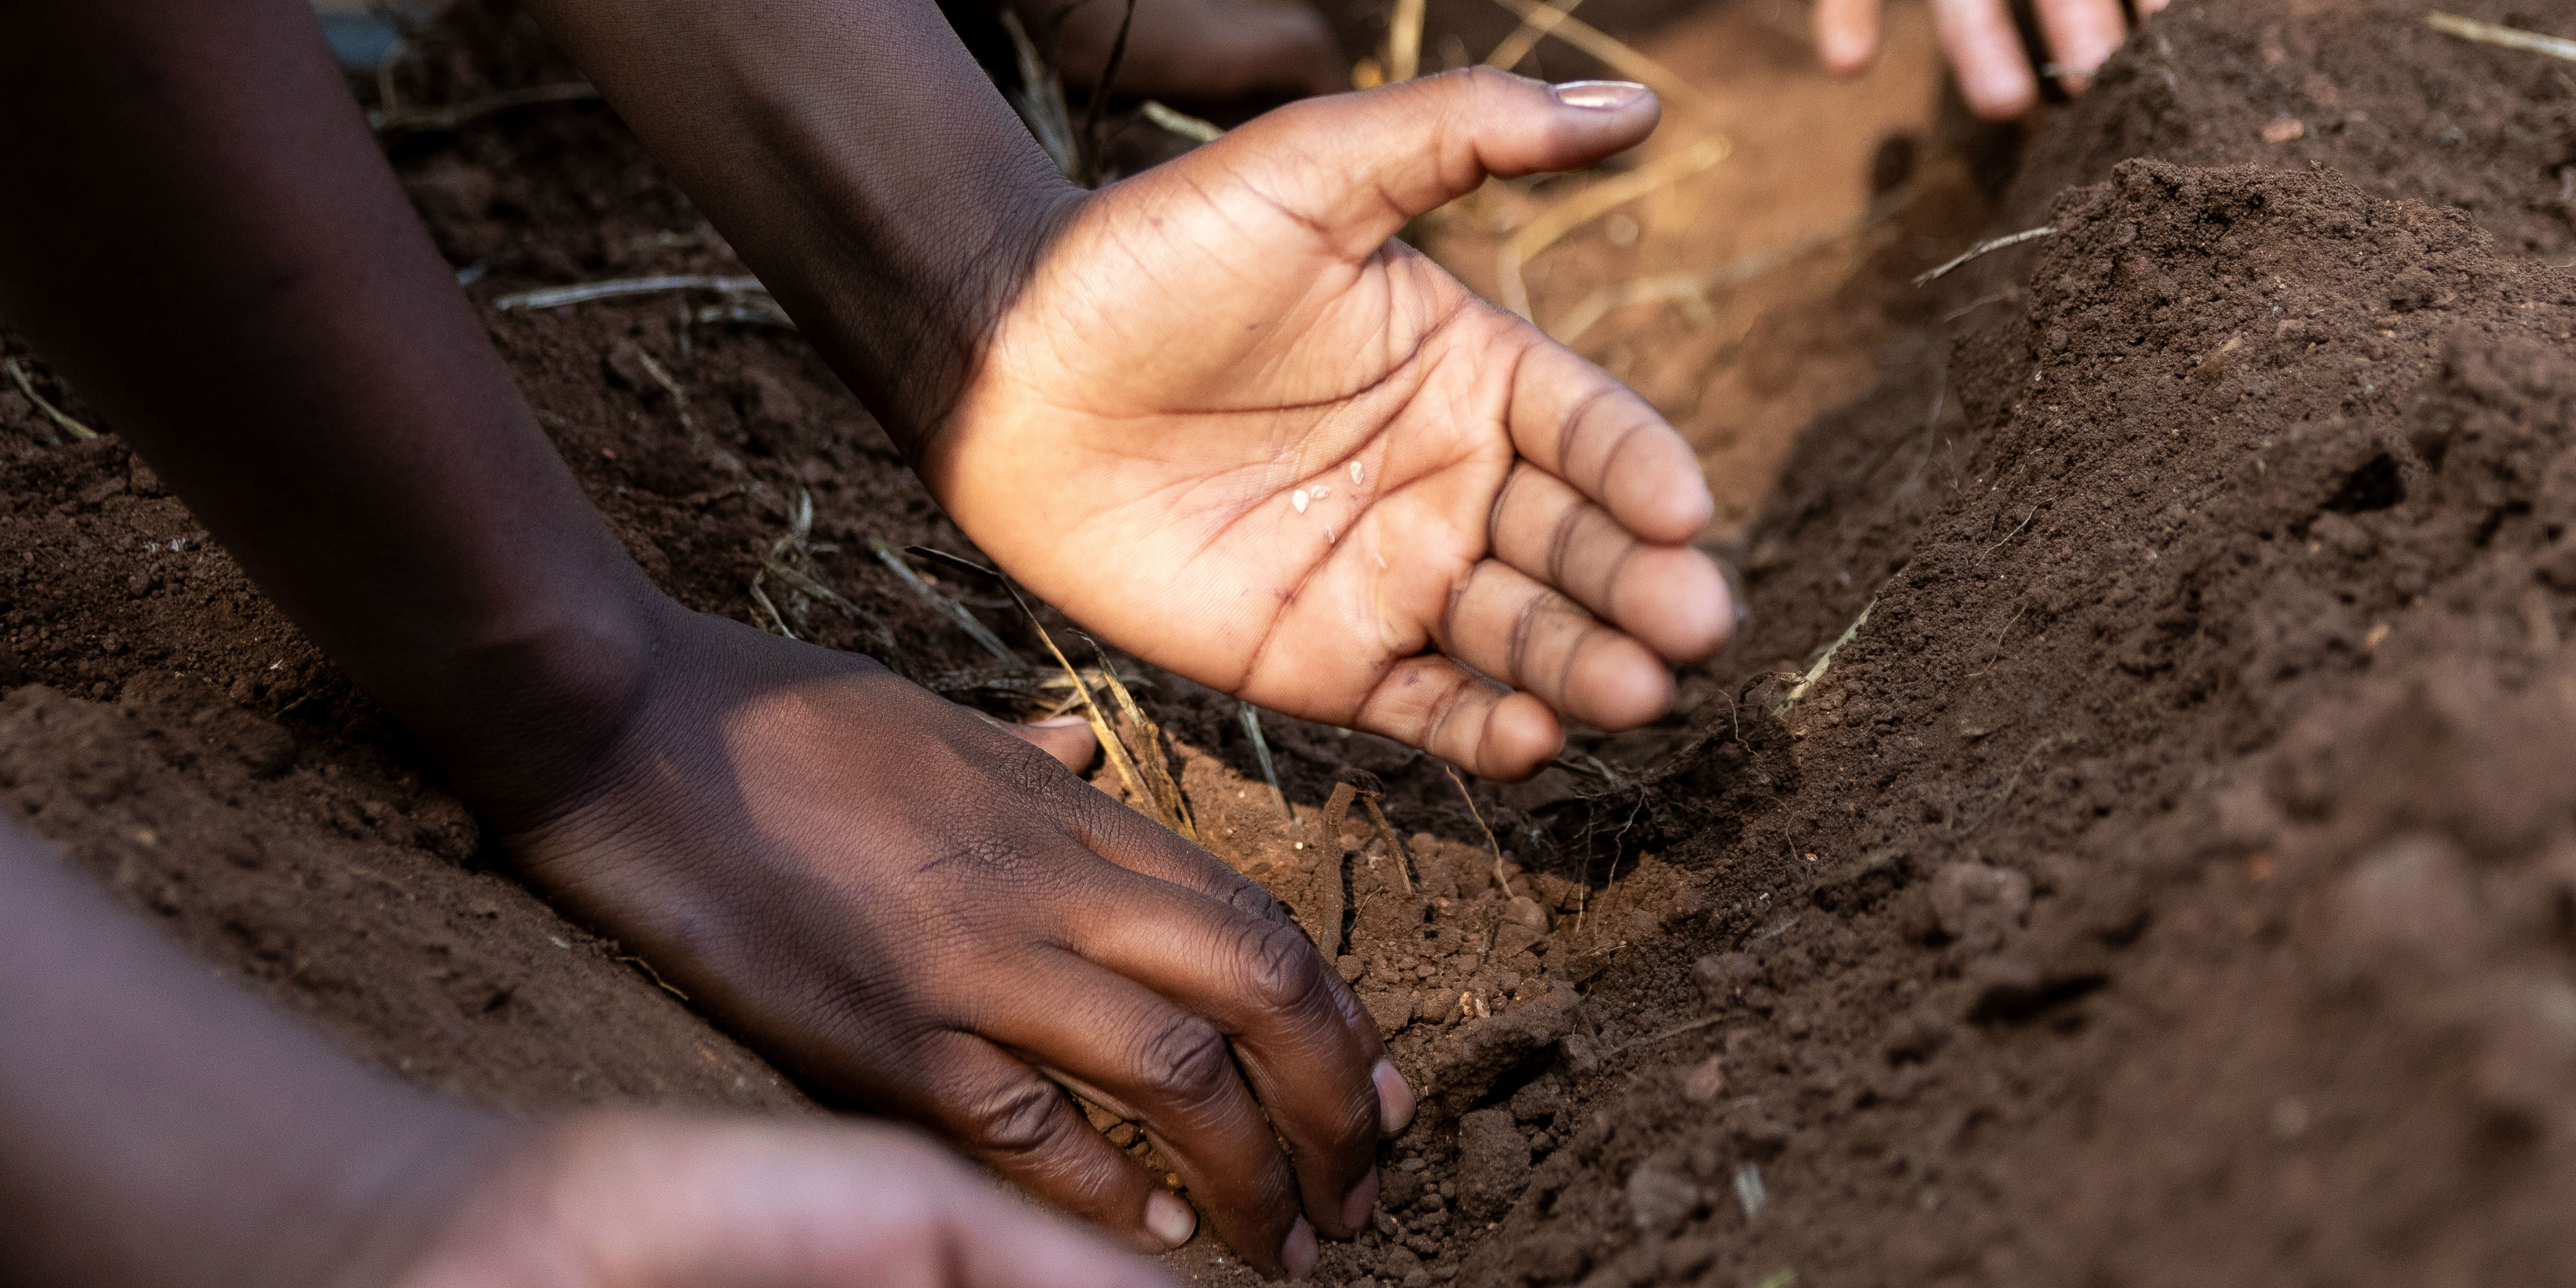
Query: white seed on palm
[[1355, 472], [1299, 499], [1322, 491]]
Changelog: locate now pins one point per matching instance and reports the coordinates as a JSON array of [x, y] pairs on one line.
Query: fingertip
[[1654, 486], [1169, 1220], [1846, 34], [1394, 1098], [1986, 54], [1845, 53], [1624, 685], [2000, 96], [1675, 600], [1298, 1252], [1521, 734]]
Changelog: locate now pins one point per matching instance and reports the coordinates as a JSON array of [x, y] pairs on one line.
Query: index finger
[[1129, 840], [1211, 942]]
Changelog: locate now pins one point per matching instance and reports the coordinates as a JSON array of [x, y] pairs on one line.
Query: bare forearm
[[163, 1128], [206, 239], [855, 156]]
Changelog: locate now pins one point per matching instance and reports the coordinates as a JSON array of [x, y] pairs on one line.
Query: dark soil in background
[[2173, 880]]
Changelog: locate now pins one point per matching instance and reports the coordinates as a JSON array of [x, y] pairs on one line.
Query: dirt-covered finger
[[1571, 419], [1004, 1113], [1670, 598], [1106, 1026], [1506, 624], [1142, 846], [1480, 726], [1262, 984], [1139, 845]]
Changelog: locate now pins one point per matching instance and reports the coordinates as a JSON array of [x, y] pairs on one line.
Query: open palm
[[1235, 429]]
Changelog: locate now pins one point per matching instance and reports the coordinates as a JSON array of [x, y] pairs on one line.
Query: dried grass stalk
[[555, 297], [1534, 28], [2488, 33], [1621, 58], [1144, 746], [1404, 41], [1593, 202]]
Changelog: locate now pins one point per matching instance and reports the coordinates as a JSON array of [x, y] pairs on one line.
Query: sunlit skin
[[1986, 53], [1234, 428]]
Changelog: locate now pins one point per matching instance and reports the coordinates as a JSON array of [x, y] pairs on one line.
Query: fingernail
[[1298, 1253], [1599, 95], [1169, 1219], [1394, 1098], [1363, 1196], [1059, 722]]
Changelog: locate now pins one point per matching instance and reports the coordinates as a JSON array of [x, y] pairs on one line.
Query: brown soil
[[2173, 879]]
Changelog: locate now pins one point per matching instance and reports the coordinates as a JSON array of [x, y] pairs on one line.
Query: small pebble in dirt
[[1705, 1083]]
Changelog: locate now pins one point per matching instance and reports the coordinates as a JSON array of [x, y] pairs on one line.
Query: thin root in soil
[[77, 431]]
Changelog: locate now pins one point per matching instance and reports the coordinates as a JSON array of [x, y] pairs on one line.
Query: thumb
[[1355, 167]]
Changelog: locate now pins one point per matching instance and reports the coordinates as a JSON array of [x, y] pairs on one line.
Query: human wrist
[[518, 709], [884, 192]]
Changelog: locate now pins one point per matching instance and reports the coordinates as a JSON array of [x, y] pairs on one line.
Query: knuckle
[[1279, 966], [1020, 1117], [1185, 1058]]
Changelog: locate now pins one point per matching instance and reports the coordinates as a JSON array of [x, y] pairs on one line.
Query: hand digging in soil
[[1210, 411]]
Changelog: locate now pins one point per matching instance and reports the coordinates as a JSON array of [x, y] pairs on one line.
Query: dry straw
[[1591, 203], [1618, 56], [1534, 28], [2488, 33]]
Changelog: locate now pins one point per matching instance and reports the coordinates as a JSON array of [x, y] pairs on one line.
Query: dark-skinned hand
[[915, 908], [1231, 426]]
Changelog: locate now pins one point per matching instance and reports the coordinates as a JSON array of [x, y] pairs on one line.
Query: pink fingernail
[[1363, 1197], [1298, 1253], [1394, 1098], [1169, 1219], [1059, 722], [1598, 95]]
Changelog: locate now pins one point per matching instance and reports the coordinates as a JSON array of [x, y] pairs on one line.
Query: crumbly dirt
[[2172, 880]]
